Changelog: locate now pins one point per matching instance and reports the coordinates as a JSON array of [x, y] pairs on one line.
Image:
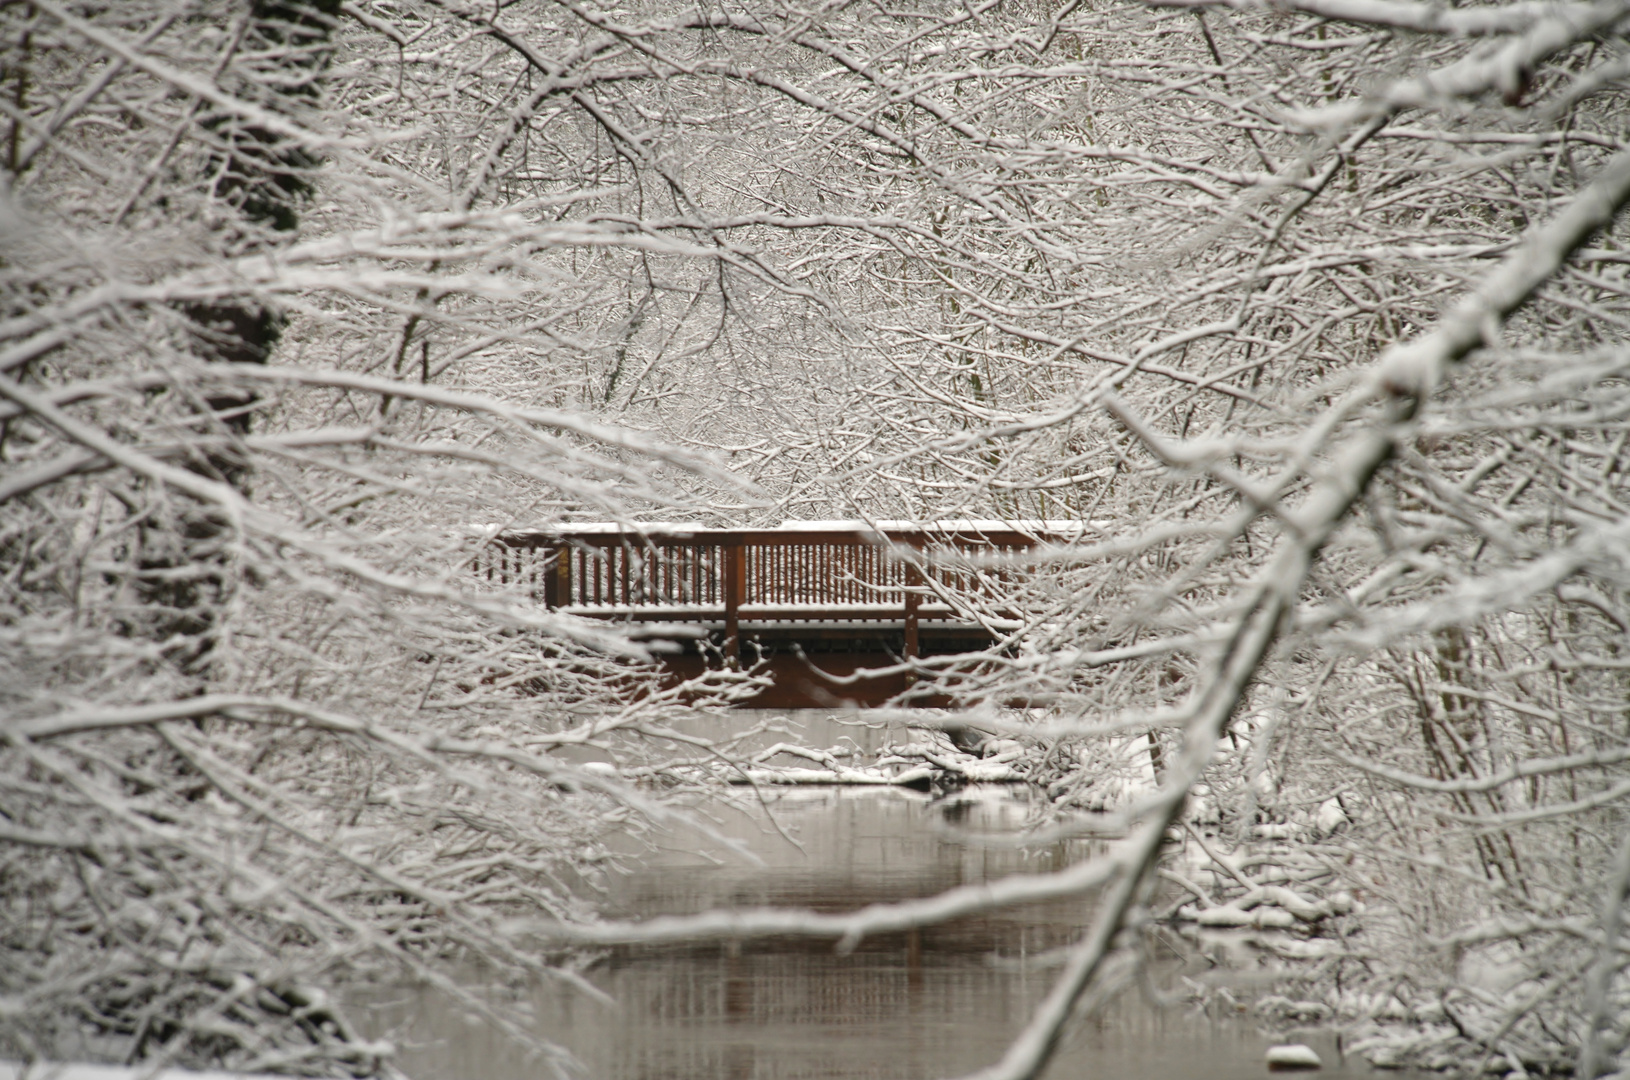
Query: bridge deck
[[889, 591]]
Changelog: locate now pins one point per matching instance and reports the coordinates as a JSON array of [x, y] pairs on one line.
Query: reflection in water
[[927, 1003]]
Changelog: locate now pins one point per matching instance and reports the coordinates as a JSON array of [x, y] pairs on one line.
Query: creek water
[[938, 1002]]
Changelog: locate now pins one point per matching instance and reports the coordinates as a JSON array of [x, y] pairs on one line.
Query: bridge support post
[[557, 580], [913, 582], [735, 588]]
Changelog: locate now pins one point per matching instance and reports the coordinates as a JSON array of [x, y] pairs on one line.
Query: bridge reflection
[[939, 1003]]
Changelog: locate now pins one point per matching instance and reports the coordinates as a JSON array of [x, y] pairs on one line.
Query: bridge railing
[[801, 573]]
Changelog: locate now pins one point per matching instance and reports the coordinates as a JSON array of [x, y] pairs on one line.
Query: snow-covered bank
[[58, 1070]]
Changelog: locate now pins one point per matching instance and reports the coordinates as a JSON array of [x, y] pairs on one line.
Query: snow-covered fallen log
[[916, 764], [862, 777]]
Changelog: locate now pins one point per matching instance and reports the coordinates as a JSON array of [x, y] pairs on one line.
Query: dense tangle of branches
[[1315, 311]]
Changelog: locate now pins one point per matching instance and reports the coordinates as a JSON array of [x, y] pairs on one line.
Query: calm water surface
[[935, 1003]]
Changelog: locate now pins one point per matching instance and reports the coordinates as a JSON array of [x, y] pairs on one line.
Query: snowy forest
[[1313, 316]]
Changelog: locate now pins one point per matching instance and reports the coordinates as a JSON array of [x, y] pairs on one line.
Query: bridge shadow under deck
[[823, 666]]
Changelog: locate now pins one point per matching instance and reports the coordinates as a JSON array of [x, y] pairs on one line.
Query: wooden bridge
[[813, 600]]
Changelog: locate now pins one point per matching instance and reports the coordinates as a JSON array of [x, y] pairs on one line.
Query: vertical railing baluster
[[909, 580], [874, 591], [734, 588]]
